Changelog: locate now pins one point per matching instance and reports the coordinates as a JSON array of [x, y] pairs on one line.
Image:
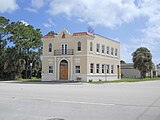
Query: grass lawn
[[128, 80], [34, 79]]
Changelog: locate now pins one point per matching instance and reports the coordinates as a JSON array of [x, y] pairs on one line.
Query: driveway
[[80, 101]]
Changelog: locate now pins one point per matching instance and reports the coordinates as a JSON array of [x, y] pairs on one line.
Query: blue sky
[[135, 23]]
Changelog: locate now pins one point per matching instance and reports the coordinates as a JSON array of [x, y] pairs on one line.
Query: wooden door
[[63, 70]]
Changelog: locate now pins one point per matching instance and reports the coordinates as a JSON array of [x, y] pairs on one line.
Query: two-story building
[[80, 56]]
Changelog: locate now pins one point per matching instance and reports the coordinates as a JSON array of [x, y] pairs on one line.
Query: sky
[[134, 23]]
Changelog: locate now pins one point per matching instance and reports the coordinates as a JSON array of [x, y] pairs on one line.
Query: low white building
[[128, 71], [158, 70]]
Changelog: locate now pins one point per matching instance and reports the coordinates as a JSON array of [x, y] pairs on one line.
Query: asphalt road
[[80, 101]]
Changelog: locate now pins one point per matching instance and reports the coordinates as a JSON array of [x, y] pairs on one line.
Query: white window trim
[[108, 54], [116, 52], [79, 69], [49, 69], [80, 46], [103, 46], [97, 47], [90, 47], [111, 51], [90, 68], [49, 48], [98, 69]]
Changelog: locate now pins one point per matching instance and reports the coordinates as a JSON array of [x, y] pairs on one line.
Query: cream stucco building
[[80, 56]]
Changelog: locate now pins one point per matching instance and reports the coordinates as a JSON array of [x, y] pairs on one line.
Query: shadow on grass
[[46, 82]]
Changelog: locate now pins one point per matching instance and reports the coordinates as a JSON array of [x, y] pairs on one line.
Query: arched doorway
[[63, 70]]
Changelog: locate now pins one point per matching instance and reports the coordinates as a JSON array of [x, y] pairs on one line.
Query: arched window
[[50, 47], [79, 46]]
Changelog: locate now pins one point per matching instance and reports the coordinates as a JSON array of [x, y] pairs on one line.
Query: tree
[[14, 65], [26, 40], [3, 42], [52, 33], [25, 48], [142, 60], [122, 62]]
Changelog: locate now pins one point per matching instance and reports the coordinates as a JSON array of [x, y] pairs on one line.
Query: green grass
[[128, 80], [34, 79]]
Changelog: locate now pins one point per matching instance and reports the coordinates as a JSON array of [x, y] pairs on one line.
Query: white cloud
[[49, 24], [8, 6], [113, 13], [25, 23], [126, 51], [31, 10], [46, 25], [35, 5], [151, 34], [105, 12]]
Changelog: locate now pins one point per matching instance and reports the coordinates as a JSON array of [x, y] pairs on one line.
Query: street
[[80, 101]]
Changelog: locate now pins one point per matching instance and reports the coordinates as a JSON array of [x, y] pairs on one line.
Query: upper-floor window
[[116, 52], [91, 67], [64, 48], [97, 68], [103, 49], [77, 69], [98, 48], [91, 46], [50, 69], [107, 51], [50, 47], [79, 46], [112, 51]]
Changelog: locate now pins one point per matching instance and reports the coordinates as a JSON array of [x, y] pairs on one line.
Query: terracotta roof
[[83, 33], [48, 36]]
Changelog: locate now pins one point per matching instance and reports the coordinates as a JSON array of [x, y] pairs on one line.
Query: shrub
[[78, 78], [90, 80]]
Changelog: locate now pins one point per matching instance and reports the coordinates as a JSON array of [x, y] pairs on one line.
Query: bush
[[90, 80], [78, 78]]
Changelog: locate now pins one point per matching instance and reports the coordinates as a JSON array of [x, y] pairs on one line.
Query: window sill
[[97, 53], [91, 52]]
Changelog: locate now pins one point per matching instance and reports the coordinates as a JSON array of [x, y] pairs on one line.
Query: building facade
[[80, 56], [128, 71], [158, 70]]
